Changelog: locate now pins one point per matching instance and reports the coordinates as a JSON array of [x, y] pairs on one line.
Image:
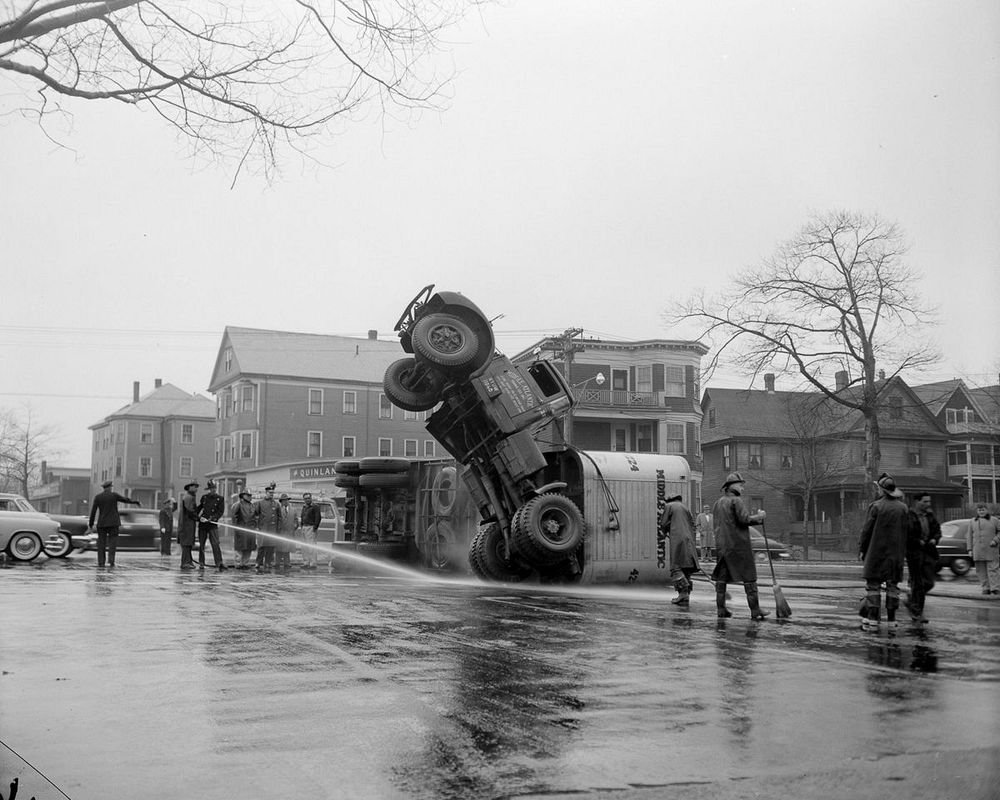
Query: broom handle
[[767, 549]]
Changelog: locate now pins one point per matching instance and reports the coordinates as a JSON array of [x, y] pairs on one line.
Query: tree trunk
[[873, 450]]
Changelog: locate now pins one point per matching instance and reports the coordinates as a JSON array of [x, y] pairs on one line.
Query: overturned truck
[[546, 510]]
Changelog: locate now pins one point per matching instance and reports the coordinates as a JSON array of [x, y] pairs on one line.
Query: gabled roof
[[988, 399], [936, 395], [749, 413], [258, 352], [163, 402]]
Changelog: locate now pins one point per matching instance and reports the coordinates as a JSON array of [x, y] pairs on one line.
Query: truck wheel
[[548, 527], [384, 464], [960, 566], [444, 340], [489, 546], [347, 467], [477, 568], [437, 546], [384, 480], [346, 481], [412, 386], [24, 546], [58, 545], [443, 492]]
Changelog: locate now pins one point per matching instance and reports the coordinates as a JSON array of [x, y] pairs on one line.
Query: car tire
[[960, 566], [412, 386], [445, 341], [25, 546], [58, 545]]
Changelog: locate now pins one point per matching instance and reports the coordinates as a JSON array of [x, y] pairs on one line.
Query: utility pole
[[563, 347]]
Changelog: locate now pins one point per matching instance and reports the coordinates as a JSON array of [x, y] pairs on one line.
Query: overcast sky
[[592, 165]]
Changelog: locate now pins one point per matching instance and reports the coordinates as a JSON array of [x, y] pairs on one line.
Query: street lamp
[[568, 420]]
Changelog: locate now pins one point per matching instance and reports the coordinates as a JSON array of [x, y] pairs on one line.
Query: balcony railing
[[618, 397]]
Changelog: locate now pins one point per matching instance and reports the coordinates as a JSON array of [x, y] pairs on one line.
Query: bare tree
[[238, 79], [837, 298], [23, 445]]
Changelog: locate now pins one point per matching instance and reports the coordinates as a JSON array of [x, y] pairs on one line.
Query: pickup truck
[[25, 531]]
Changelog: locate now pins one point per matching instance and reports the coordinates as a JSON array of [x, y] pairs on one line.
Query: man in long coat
[[883, 549], [104, 509], [244, 540], [187, 524], [210, 510], [678, 526], [922, 537], [732, 540], [267, 514], [704, 525]]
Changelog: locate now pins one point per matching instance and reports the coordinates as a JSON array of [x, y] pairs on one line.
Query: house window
[[248, 395], [644, 435], [246, 445], [347, 445], [727, 463], [227, 449], [786, 458], [895, 407], [315, 402], [146, 433], [187, 433], [410, 416], [711, 418], [186, 468], [673, 381], [410, 448], [384, 407], [756, 504], [227, 402], [314, 447], [385, 447], [981, 455], [913, 456], [118, 467], [957, 456], [350, 402], [755, 457], [429, 448], [953, 416], [218, 451], [227, 358], [621, 440], [218, 406], [644, 379], [145, 467], [675, 437]]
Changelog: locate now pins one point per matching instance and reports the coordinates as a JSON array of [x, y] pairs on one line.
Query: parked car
[[953, 550], [779, 550], [71, 532]]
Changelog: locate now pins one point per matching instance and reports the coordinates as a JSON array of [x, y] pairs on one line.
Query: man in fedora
[[732, 541], [187, 524], [883, 549], [104, 509], [210, 510]]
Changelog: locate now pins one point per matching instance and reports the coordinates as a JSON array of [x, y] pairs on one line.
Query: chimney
[[841, 378], [373, 334], [158, 383], [769, 382], [135, 391]]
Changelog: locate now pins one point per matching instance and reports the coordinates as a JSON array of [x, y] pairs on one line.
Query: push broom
[[781, 608]]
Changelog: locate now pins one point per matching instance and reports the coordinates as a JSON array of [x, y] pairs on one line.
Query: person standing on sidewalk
[[187, 524], [166, 525], [883, 550], [921, 554], [732, 540], [982, 540], [705, 527], [244, 540], [286, 527], [104, 509], [678, 526], [210, 510], [309, 520], [267, 514]]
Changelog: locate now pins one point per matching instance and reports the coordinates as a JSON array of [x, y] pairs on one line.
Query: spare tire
[[443, 492], [437, 544], [347, 467], [383, 464], [444, 340], [412, 386], [547, 528]]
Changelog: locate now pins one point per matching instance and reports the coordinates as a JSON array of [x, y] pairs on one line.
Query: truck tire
[[383, 464], [412, 386], [489, 546], [347, 467], [25, 546], [346, 481], [437, 546], [445, 341], [384, 480], [443, 492], [58, 545], [547, 528]]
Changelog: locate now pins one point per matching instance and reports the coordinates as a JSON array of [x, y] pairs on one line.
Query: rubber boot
[[720, 601], [753, 601], [683, 587], [874, 612]]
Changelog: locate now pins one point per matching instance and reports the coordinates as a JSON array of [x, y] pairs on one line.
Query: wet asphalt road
[[147, 682]]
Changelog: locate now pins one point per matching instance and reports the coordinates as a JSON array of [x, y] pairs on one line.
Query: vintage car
[[23, 534], [70, 534]]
